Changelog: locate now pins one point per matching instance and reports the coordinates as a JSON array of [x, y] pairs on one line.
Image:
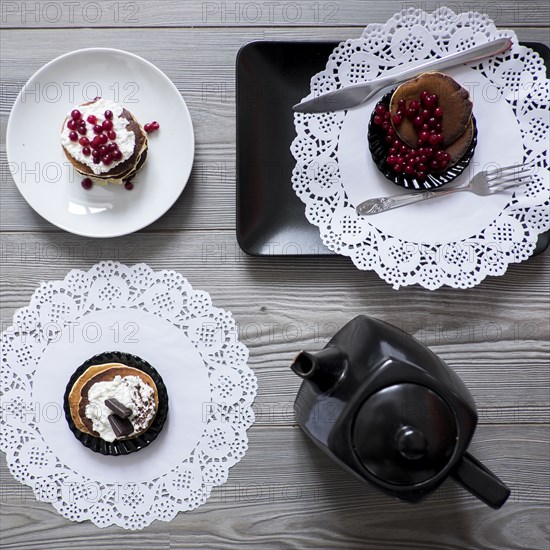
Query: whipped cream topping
[[125, 139], [132, 392]]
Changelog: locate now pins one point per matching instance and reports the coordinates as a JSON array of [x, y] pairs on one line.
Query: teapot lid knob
[[411, 443]]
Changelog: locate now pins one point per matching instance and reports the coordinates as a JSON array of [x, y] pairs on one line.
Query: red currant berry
[[107, 159], [397, 120], [98, 129], [86, 151], [423, 136], [431, 102], [418, 122], [377, 120], [76, 114], [107, 124], [108, 114], [84, 141], [421, 175], [86, 183], [73, 136], [128, 186], [401, 103], [116, 154], [414, 104], [425, 114], [438, 112], [433, 139], [111, 134], [71, 125], [103, 139], [380, 109], [408, 169], [92, 119]]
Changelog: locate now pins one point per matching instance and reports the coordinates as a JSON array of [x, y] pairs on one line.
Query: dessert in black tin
[[116, 403], [420, 139]]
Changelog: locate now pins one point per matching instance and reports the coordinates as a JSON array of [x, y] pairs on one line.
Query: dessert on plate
[[116, 403], [104, 142], [423, 134]]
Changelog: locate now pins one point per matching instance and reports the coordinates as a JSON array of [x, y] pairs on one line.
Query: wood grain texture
[[281, 306], [174, 13], [284, 493], [285, 485], [204, 76]]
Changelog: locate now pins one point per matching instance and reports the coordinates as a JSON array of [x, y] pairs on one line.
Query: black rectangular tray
[[271, 77]]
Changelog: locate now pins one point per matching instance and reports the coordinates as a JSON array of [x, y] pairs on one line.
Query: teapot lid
[[404, 434]]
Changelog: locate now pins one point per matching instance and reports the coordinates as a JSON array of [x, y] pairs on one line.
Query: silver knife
[[352, 96]]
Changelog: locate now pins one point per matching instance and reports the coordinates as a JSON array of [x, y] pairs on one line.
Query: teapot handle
[[480, 481]]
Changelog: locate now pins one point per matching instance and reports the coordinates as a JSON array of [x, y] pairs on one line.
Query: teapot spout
[[324, 369]]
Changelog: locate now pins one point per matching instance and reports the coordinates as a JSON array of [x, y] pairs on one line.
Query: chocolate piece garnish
[[121, 426], [118, 408]]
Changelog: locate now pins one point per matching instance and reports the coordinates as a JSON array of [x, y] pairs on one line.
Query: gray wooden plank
[[286, 494], [204, 76], [282, 305], [170, 13]]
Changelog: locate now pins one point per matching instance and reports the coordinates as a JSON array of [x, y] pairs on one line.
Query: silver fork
[[486, 182]]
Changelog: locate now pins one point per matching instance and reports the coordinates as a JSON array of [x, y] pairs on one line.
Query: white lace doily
[[509, 234], [193, 345]]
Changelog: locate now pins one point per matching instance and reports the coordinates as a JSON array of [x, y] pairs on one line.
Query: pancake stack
[[78, 398], [81, 154], [453, 100]]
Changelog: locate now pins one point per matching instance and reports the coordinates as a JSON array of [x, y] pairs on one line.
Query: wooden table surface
[[285, 493]]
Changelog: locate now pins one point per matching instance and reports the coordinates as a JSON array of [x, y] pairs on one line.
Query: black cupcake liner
[[122, 446], [379, 150]]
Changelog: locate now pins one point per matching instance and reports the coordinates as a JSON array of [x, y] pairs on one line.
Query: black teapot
[[385, 407]]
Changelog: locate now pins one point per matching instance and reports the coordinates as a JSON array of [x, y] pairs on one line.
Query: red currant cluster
[[98, 147], [151, 126], [425, 116]]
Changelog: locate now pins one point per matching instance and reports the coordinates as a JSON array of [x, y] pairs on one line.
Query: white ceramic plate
[[47, 180]]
